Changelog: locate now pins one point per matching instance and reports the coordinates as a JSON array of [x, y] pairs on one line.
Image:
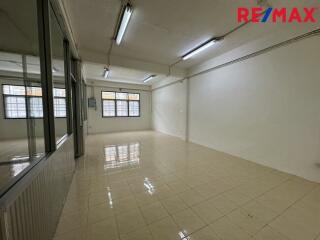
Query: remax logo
[[285, 15]]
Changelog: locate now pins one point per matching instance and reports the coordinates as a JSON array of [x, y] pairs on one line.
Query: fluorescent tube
[[199, 49], [149, 78], [124, 23]]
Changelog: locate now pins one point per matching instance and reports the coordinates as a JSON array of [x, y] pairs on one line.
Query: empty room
[[160, 120]]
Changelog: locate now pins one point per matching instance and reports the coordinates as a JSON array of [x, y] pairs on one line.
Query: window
[[36, 109], [60, 107], [15, 107], [122, 108], [59, 102], [15, 98], [109, 108], [134, 108], [120, 104]]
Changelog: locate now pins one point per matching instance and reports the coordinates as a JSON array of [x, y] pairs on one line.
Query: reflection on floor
[[9, 171], [123, 155], [147, 185], [16, 149], [12, 148], [14, 158]]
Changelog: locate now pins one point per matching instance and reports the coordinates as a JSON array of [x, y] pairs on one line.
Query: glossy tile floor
[[147, 185]]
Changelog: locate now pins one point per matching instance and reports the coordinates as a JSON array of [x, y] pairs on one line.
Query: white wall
[[98, 124], [169, 110], [265, 109]]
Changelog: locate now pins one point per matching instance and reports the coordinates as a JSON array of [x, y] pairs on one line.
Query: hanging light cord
[[110, 47]]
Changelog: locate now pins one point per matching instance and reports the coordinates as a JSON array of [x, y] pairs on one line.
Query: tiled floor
[[146, 185]]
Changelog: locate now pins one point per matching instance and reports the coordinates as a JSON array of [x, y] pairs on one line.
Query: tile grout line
[[299, 199], [176, 194], [190, 207]]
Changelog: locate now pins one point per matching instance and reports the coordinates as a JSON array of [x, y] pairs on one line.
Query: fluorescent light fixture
[[125, 17], [106, 72], [199, 49], [149, 78]]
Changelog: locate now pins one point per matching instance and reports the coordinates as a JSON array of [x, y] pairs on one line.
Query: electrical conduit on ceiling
[[243, 58]]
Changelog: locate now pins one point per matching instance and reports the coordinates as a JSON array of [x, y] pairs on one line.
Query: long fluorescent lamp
[[149, 78], [125, 17], [106, 72], [199, 49]]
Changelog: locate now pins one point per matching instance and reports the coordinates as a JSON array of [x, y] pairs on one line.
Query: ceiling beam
[[101, 58]]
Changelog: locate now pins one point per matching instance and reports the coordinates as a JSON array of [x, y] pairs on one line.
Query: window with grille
[[59, 102], [120, 104], [36, 109], [15, 107], [60, 107], [109, 108], [122, 108], [18, 98]]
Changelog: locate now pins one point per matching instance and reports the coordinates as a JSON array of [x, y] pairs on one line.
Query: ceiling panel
[[160, 32]]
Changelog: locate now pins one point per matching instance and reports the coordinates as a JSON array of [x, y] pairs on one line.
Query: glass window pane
[[134, 108], [60, 109], [14, 90], [134, 96], [58, 75], [21, 138], [109, 108], [15, 107], [35, 102], [122, 108], [34, 91], [122, 96], [36, 109], [108, 95], [59, 92]]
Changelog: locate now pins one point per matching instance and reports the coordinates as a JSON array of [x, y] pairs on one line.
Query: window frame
[[26, 98], [115, 104]]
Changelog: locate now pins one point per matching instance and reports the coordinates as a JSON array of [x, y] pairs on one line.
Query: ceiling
[[19, 27], [160, 32], [12, 64]]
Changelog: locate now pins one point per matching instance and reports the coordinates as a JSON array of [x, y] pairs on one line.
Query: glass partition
[[58, 78], [21, 122]]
